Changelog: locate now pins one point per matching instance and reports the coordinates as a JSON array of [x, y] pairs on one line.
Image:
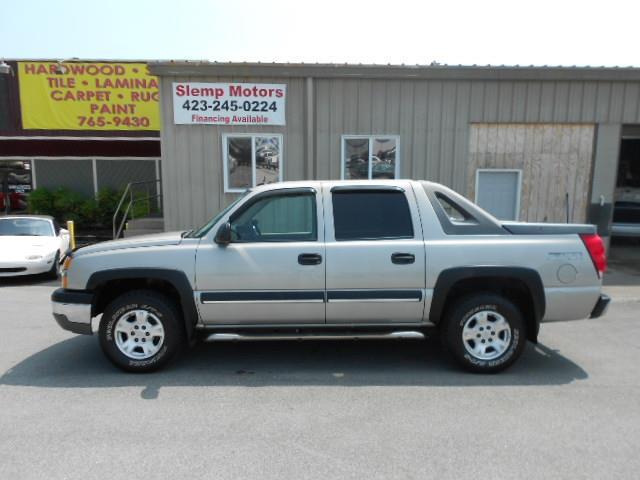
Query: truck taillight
[[595, 247]]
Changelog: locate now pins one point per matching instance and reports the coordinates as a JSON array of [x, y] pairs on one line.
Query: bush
[[144, 204], [40, 201], [67, 205], [106, 204], [89, 212], [64, 204]]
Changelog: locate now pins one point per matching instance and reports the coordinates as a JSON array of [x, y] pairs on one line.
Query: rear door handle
[[309, 259], [403, 258]]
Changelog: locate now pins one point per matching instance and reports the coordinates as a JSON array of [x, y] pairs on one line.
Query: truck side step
[[242, 337]]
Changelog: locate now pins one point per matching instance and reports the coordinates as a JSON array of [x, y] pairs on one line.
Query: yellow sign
[[88, 96]]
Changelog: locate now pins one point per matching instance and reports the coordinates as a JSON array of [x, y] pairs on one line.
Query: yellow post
[[72, 234]]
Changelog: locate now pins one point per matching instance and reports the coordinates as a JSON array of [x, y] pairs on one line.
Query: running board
[[242, 337]]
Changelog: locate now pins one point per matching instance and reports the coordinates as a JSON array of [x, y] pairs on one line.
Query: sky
[[516, 32]]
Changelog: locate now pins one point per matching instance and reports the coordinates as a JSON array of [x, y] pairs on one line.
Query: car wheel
[[141, 331], [484, 333], [55, 268]]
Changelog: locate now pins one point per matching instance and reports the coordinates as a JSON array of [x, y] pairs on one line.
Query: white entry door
[[498, 192]]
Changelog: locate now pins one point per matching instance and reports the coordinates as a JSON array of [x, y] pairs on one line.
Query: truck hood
[[153, 240]]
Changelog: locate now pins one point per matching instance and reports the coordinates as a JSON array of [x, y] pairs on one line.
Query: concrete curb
[[623, 293]]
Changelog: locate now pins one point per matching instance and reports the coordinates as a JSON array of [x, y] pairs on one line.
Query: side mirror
[[223, 237], [63, 232]]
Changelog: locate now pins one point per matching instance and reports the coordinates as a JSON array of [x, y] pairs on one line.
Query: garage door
[[555, 160]]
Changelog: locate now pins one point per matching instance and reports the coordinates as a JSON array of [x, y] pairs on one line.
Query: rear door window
[[371, 215]]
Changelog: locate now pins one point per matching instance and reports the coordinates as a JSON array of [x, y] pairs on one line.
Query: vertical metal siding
[[432, 117], [192, 166]]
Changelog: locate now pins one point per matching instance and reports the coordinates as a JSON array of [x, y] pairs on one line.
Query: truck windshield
[[199, 232]]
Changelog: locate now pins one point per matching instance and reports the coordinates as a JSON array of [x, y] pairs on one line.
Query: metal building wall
[[192, 165], [432, 117]]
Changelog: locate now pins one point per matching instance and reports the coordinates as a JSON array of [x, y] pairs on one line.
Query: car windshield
[[207, 226], [23, 227]]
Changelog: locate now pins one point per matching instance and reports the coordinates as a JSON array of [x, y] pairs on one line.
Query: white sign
[[228, 103]]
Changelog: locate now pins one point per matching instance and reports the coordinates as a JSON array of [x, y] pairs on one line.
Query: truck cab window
[[371, 215], [277, 218]]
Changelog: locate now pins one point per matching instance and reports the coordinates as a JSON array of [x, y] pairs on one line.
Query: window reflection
[[360, 163], [356, 162], [267, 160], [239, 162], [383, 160]]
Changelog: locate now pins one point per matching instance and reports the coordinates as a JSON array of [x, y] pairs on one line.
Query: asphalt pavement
[[570, 408]]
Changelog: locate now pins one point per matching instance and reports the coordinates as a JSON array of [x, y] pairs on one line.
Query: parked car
[[358, 168], [382, 169], [330, 259], [31, 244]]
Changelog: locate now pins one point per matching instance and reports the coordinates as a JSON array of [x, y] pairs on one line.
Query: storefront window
[[15, 185], [251, 160], [369, 157]]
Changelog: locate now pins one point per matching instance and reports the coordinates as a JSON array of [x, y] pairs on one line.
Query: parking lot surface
[[570, 408]]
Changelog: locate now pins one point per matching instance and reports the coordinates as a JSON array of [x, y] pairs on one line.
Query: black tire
[[462, 311], [53, 273], [160, 308]]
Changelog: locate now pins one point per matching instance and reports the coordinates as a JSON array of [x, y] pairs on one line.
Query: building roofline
[[80, 60], [407, 72]]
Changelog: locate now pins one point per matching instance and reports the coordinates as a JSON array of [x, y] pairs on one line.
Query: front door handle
[[403, 258], [309, 259]]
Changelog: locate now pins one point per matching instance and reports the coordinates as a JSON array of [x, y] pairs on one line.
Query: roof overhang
[[407, 72]]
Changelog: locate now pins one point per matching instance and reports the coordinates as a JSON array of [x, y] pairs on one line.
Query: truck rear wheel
[[484, 333], [140, 331]]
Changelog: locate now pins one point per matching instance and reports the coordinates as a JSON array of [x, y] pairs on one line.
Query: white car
[[31, 244]]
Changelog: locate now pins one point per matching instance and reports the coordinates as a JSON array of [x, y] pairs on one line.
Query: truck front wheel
[[484, 333], [140, 331]]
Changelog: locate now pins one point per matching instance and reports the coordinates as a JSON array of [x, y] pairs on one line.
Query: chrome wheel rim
[[139, 334], [486, 335]]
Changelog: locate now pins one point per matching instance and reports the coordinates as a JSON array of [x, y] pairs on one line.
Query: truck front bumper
[[72, 310], [601, 306]]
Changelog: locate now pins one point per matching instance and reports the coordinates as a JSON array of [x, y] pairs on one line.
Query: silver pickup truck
[[336, 259]]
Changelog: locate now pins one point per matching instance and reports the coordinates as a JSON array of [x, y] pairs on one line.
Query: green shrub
[[40, 201], [64, 204], [89, 212], [143, 205], [67, 204], [106, 204]]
